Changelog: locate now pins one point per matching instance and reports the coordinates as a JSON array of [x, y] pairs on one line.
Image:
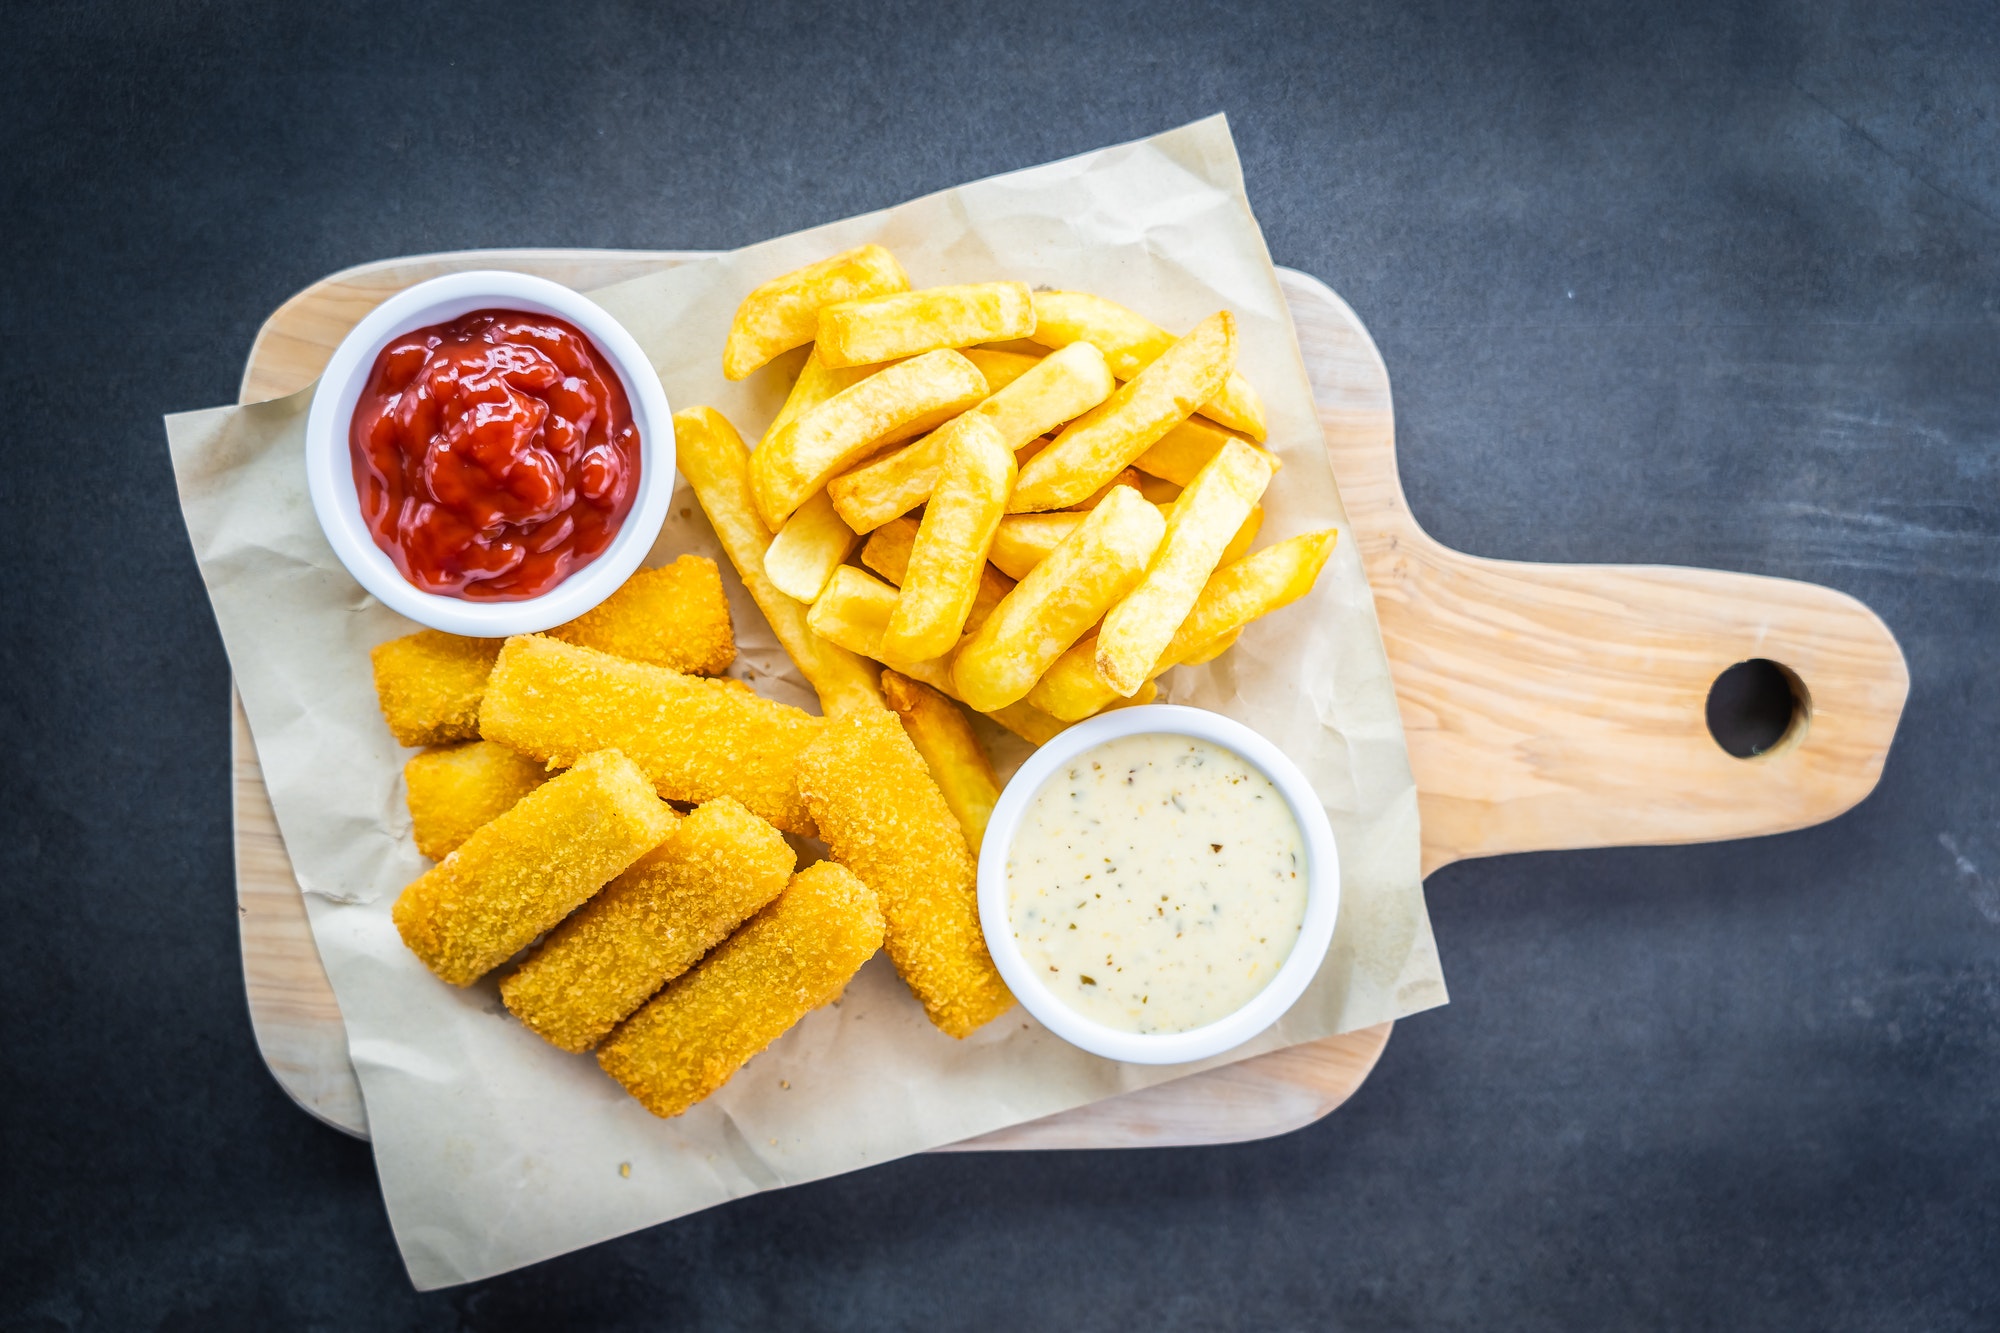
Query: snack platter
[[1606, 666]]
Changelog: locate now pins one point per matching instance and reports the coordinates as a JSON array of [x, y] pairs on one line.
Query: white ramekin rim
[[330, 472], [1270, 1004]]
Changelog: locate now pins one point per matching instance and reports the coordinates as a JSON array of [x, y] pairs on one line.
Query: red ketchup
[[495, 455]]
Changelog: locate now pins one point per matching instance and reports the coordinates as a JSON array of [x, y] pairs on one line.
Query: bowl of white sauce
[[1158, 884]]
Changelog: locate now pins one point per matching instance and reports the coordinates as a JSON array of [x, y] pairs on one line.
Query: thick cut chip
[[1002, 368], [951, 544], [880, 328], [675, 616], [1071, 690], [1213, 649], [1239, 545], [1061, 598], [892, 485], [884, 818], [1154, 489], [1023, 541], [1061, 387], [457, 791], [816, 383], [429, 684], [712, 457], [894, 404], [937, 726], [531, 867], [812, 544], [1129, 477], [1130, 343], [784, 312], [888, 554], [1203, 522], [853, 610], [696, 738], [1096, 447], [794, 956], [717, 868], [1185, 450]]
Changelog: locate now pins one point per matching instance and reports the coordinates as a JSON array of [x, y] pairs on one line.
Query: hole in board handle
[[1757, 706]]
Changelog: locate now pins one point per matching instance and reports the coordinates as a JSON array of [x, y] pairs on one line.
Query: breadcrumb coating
[[794, 956], [717, 868], [457, 790], [696, 738], [531, 867], [885, 819], [429, 684], [674, 616]]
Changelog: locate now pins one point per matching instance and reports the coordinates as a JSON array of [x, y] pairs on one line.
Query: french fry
[[806, 551], [892, 485], [1130, 343], [1129, 477], [1239, 545], [713, 459], [1096, 447], [951, 543], [1023, 541], [1058, 388], [1185, 450], [1071, 690], [1205, 519], [816, 383], [1061, 597], [956, 759], [888, 554], [1155, 489], [675, 616], [784, 312], [1002, 368], [853, 610], [879, 328], [1018, 346], [897, 403], [1213, 649]]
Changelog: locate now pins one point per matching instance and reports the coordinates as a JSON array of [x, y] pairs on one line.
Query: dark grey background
[[1710, 284]]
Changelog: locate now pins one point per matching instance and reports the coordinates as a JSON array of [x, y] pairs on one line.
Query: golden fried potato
[[1185, 450], [1023, 541], [1058, 388], [718, 867], [888, 554], [794, 956], [881, 813], [956, 760], [903, 401], [429, 684], [862, 332], [456, 791], [533, 866], [949, 553], [1061, 598], [1128, 478], [1239, 545], [812, 544], [1130, 343], [1096, 447], [816, 383], [1002, 368], [695, 738], [784, 312], [675, 616], [713, 459], [853, 610]]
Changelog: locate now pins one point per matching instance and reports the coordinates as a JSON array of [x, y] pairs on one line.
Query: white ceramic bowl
[[1315, 933], [330, 469]]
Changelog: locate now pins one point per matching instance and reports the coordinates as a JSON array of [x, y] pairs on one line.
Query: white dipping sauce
[[1157, 883]]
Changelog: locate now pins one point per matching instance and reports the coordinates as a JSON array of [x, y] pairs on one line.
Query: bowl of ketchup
[[490, 453]]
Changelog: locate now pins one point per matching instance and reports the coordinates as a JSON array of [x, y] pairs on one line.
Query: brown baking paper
[[495, 1149]]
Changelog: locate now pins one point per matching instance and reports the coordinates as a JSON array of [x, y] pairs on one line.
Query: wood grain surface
[[1546, 706]]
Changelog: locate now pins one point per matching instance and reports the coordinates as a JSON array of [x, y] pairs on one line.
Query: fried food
[[1002, 367], [1060, 387], [1204, 520], [1097, 446], [892, 485], [719, 866], [1185, 450], [953, 754], [696, 739], [1239, 545], [1060, 599], [888, 554], [816, 383], [853, 610], [943, 573], [794, 956], [806, 551], [429, 684], [1130, 343], [456, 791], [859, 333], [675, 616], [533, 866], [898, 403], [1128, 478], [881, 812], [1023, 541], [714, 460], [784, 312]]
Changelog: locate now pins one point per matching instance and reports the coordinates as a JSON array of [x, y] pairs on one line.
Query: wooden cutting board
[[1546, 706]]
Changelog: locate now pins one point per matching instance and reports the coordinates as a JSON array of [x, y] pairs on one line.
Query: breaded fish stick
[[794, 956], [882, 814], [531, 867], [696, 738], [715, 870], [429, 685], [674, 616], [453, 792]]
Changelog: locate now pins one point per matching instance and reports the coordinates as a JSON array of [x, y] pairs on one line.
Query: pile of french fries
[[1052, 499]]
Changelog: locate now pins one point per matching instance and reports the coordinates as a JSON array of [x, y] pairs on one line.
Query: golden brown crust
[[429, 685], [455, 791], [675, 617]]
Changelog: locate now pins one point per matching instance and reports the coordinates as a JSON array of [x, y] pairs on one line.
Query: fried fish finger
[[717, 868], [531, 867], [429, 685], [675, 617], [885, 819], [794, 956], [456, 791]]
